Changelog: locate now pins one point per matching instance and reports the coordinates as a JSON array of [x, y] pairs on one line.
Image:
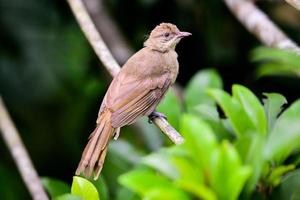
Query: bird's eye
[[166, 34]]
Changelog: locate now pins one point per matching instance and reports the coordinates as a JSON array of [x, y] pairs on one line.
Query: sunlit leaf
[[199, 139], [228, 175], [198, 189], [276, 173], [195, 92], [166, 193], [142, 181], [252, 107], [161, 162], [233, 110], [84, 189]]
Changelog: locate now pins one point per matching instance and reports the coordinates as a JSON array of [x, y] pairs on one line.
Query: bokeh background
[[53, 83]]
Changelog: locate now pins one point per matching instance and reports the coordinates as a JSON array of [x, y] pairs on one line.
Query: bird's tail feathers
[[95, 151]]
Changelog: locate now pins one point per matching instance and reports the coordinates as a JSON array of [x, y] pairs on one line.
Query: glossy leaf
[[55, 187], [252, 107], [166, 193], [142, 181], [285, 136], [199, 139], [199, 190], [161, 162], [195, 91], [233, 110], [84, 189], [273, 105], [228, 176]]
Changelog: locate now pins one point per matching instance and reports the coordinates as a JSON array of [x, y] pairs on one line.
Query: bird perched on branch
[[134, 92]]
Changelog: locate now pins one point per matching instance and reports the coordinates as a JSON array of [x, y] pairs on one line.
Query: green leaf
[[228, 176], [55, 187], [252, 107], [142, 181], [195, 91], [276, 69], [206, 111], [171, 107], [273, 105], [285, 136], [233, 110], [126, 194], [161, 162], [276, 61], [210, 115], [101, 187], [199, 190], [188, 169], [67, 197], [166, 194], [275, 177], [251, 149], [199, 139], [289, 189], [84, 189], [274, 54]]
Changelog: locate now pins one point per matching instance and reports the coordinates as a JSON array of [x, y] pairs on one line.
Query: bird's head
[[165, 37]]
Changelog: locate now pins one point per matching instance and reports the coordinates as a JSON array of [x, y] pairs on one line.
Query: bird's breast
[[171, 64]]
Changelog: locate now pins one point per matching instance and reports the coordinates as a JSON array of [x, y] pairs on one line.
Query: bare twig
[[108, 30], [260, 25], [109, 62], [20, 155], [294, 3]]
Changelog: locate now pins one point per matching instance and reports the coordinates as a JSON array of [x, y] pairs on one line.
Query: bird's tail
[[95, 151]]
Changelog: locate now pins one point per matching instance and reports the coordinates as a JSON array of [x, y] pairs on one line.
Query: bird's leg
[[156, 114]]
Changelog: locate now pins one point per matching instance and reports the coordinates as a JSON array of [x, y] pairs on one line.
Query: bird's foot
[[154, 115]]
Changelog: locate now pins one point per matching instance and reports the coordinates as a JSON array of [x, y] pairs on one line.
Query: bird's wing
[[132, 95], [129, 97]]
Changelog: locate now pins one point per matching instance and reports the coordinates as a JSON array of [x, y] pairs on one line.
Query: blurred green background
[[53, 83]]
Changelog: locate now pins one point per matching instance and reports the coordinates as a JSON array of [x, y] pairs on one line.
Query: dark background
[[53, 84]]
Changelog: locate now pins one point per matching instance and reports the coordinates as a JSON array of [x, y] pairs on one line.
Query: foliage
[[252, 157], [276, 62], [82, 189]]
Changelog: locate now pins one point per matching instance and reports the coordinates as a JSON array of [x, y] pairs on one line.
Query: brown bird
[[134, 92]]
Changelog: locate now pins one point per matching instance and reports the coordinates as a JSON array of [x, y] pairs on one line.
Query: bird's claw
[[154, 115]]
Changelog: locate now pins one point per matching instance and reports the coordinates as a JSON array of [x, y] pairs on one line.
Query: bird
[[134, 92]]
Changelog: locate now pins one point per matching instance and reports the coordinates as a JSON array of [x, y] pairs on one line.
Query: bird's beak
[[183, 34]]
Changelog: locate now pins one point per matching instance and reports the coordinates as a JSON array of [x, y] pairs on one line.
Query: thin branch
[[109, 62], [294, 3], [109, 30], [20, 155], [95, 39], [258, 23]]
